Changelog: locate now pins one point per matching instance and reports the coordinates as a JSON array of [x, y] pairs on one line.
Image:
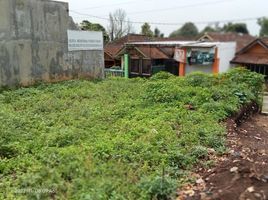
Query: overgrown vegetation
[[118, 138]]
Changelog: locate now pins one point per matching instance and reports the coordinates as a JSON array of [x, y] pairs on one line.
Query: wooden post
[[215, 67], [181, 69], [182, 64]]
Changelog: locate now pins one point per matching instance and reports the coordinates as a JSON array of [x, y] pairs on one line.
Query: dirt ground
[[242, 173]]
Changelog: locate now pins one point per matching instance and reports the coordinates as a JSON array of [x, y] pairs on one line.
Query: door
[[140, 68]]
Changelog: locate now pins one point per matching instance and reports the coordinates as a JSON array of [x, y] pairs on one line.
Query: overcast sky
[[172, 11]]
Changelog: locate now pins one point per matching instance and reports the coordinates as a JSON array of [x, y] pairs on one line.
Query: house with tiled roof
[[241, 40], [147, 56], [254, 56], [112, 48], [143, 58]]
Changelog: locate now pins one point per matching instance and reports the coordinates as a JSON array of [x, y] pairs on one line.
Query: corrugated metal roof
[[145, 51], [177, 43], [171, 43], [203, 44]]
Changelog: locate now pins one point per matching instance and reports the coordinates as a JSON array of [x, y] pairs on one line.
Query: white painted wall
[[227, 52]]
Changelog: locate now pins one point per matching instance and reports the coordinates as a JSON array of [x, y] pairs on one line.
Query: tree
[[146, 30], [88, 26], [235, 28], [263, 22], [187, 30], [208, 29], [157, 33], [119, 25]]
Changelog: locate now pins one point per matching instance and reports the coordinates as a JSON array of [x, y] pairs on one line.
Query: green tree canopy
[[263, 22], [146, 30], [235, 28], [157, 33], [189, 29], [208, 29], [88, 26]]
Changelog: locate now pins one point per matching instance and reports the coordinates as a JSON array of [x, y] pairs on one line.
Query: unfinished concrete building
[[34, 44]]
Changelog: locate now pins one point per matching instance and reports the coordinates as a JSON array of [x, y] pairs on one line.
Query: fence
[[265, 103], [114, 73]]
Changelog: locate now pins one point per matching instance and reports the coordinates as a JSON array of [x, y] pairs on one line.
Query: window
[[146, 66], [135, 66]]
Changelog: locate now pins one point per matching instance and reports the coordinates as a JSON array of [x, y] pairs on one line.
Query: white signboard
[[179, 55], [85, 40]]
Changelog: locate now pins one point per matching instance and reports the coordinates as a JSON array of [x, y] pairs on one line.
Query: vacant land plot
[[118, 138], [243, 172]]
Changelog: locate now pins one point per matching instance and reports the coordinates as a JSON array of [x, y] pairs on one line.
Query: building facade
[[34, 45]]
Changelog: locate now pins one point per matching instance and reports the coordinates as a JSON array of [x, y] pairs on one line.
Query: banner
[[179, 55], [85, 40]]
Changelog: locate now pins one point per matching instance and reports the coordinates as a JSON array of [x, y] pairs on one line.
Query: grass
[[117, 138]]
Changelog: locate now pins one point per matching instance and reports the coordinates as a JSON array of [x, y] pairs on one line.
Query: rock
[[211, 151], [236, 161], [251, 189], [265, 178], [231, 151], [234, 169], [199, 181], [257, 138], [236, 154], [257, 195], [189, 192]]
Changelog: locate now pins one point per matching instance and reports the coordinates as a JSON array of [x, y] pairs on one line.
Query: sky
[[172, 12]]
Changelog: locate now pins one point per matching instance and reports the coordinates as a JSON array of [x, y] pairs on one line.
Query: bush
[[159, 188], [200, 79], [162, 76]]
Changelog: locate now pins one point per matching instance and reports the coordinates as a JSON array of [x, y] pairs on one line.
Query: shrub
[[200, 79], [162, 75], [159, 188]]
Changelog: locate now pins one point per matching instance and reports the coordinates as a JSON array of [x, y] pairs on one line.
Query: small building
[[146, 60], [39, 42], [112, 48], [254, 56], [178, 57]]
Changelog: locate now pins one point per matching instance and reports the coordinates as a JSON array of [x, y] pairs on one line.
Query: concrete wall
[[226, 54], [33, 44]]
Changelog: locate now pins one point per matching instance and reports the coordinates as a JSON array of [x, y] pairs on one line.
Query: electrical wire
[[206, 3], [171, 24], [110, 5]]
